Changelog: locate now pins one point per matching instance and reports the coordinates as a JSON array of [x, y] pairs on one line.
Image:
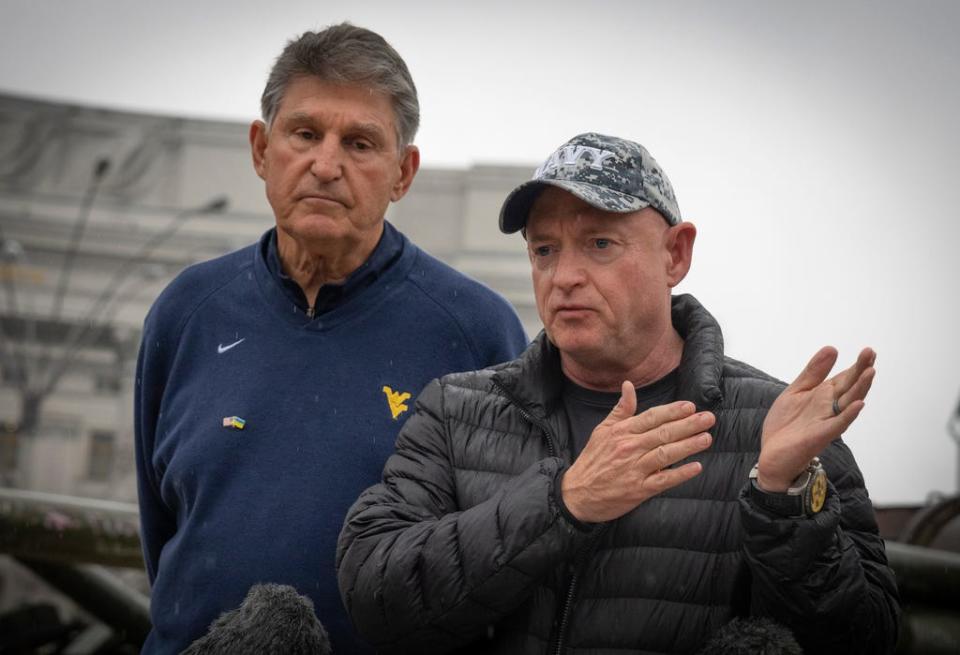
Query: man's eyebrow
[[375, 128], [537, 236], [606, 228], [298, 117]]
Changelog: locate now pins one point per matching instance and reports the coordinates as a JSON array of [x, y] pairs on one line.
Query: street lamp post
[[99, 171]]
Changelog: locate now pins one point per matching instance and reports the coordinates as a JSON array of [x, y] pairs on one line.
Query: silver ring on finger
[[836, 407]]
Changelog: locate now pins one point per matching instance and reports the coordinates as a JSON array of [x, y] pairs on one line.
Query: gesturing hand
[[625, 461], [802, 422]]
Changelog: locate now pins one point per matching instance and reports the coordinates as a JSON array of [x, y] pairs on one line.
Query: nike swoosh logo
[[222, 348]]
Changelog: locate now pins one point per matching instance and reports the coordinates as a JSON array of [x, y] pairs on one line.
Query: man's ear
[[258, 146], [679, 247], [409, 165]]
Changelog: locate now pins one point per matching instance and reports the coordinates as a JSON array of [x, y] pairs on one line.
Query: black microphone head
[[273, 620], [754, 635]]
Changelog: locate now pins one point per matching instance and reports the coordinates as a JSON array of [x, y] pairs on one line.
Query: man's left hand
[[802, 421]]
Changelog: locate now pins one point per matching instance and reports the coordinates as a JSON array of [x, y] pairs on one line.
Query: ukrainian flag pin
[[234, 422]]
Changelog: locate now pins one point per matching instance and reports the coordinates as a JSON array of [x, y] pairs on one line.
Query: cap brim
[[516, 208]]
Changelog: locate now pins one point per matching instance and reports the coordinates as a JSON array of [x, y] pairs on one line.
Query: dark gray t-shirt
[[586, 408]]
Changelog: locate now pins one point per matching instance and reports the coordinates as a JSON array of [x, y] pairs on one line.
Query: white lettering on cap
[[569, 155]]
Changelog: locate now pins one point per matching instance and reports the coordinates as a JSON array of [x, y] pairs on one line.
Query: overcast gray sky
[[814, 145]]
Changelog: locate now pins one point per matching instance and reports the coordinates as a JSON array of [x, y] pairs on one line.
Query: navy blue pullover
[[257, 426]]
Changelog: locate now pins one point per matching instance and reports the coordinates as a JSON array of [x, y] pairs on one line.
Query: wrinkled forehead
[[554, 201], [556, 208], [311, 98], [557, 211]]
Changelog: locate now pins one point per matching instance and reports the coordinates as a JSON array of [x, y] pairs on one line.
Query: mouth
[[321, 199], [571, 310]]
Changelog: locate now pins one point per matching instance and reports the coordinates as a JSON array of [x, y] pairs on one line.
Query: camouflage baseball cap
[[612, 174]]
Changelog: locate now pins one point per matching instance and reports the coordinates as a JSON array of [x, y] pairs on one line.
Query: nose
[[327, 160], [568, 272]]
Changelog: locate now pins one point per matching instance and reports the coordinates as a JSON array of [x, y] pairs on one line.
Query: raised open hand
[[627, 457], [809, 414]]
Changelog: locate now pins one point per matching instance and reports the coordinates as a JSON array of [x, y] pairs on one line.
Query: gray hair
[[346, 54]]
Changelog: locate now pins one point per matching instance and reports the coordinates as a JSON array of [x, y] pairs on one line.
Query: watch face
[[818, 491]]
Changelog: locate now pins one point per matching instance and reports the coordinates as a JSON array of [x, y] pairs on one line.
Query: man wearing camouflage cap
[[623, 486]]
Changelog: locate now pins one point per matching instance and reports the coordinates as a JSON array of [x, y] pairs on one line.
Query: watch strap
[[781, 504]]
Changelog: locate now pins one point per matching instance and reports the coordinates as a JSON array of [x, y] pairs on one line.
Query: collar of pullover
[[390, 258]]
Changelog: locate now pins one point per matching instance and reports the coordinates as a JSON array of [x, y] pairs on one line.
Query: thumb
[[626, 406]]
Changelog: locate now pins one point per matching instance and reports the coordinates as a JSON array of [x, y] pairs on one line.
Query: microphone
[[273, 619], [754, 635]]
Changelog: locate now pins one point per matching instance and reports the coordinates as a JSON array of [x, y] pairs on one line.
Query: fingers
[[848, 378], [850, 388], [827, 431], [849, 385], [626, 406], [669, 478], [848, 415], [658, 416], [816, 370], [666, 455], [675, 430], [859, 389]]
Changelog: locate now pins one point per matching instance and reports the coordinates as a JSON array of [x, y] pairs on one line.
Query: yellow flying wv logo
[[397, 401]]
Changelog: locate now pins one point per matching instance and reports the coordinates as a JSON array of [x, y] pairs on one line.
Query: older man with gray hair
[[623, 486], [272, 381]]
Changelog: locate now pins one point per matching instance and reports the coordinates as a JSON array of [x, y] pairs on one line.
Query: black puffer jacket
[[464, 546]]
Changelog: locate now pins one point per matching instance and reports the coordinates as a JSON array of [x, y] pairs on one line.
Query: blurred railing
[[67, 541], [67, 529]]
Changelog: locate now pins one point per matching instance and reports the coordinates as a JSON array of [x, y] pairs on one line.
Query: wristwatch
[[805, 497]]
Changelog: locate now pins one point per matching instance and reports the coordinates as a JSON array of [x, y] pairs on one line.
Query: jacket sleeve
[[157, 521], [825, 577], [417, 572]]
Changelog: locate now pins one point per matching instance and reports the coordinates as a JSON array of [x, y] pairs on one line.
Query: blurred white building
[[90, 191]]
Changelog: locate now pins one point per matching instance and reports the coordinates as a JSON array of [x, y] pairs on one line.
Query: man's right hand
[[625, 461]]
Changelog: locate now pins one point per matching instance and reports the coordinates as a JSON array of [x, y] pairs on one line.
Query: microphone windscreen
[[754, 635], [273, 619]]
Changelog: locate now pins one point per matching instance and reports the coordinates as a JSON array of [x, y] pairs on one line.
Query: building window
[[102, 444]]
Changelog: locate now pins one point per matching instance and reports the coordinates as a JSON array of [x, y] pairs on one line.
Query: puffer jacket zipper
[[552, 449], [571, 594], [585, 552]]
